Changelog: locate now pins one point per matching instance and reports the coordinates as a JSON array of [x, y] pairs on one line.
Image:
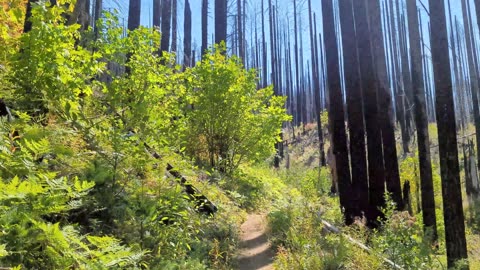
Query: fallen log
[[203, 204]]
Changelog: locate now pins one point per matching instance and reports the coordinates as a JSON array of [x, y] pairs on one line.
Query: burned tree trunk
[[449, 166], [353, 88], [165, 29], [336, 111], [421, 121], [376, 171], [204, 26], [134, 14], [187, 32], [220, 21]]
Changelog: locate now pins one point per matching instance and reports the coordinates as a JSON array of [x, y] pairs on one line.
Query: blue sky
[[285, 9]]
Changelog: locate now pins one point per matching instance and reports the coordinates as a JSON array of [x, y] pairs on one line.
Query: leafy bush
[[401, 239], [231, 121]]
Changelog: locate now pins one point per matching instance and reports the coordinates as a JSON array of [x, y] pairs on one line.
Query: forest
[[239, 134]]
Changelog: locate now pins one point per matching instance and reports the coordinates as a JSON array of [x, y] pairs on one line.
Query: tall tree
[[264, 49], [376, 169], [385, 111], [421, 121], [336, 112], [400, 98], [220, 21], [174, 26], [295, 31], [97, 15], [165, 28], [317, 104], [157, 13], [240, 30], [354, 107], [134, 14], [204, 26], [187, 31], [473, 71], [449, 166]]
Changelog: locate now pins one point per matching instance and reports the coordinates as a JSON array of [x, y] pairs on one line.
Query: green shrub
[[231, 121]]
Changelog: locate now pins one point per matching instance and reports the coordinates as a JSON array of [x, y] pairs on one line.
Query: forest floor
[[255, 251]]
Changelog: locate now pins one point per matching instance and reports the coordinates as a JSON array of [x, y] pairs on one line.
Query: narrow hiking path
[[255, 250]]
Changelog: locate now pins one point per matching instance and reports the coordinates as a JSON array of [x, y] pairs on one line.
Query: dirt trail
[[255, 250]]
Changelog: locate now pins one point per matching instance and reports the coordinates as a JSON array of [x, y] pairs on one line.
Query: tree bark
[[376, 169], [166, 19], [220, 21], [134, 14], [336, 111], [174, 26], [421, 121], [353, 88], [385, 111], [204, 26], [473, 70], [157, 11], [187, 31], [449, 165]]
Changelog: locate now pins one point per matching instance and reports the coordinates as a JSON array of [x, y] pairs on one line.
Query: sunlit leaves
[[232, 121]]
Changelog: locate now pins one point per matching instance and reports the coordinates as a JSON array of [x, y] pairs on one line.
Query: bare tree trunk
[[336, 111], [174, 26], [398, 80], [240, 26], [295, 31], [374, 137], [156, 13], [392, 175], [187, 32], [317, 97], [97, 16], [264, 50], [220, 21], [204, 26], [421, 121], [353, 88], [473, 70], [134, 14], [449, 166], [166, 19]]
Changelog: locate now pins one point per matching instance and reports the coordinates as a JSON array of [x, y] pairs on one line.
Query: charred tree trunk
[[156, 13], [97, 16], [376, 169], [449, 165], [134, 14], [353, 88], [240, 26], [264, 50], [174, 26], [421, 121], [385, 111], [315, 84], [297, 75], [397, 79], [187, 39], [336, 111], [220, 21], [166, 19], [473, 71], [204, 26]]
